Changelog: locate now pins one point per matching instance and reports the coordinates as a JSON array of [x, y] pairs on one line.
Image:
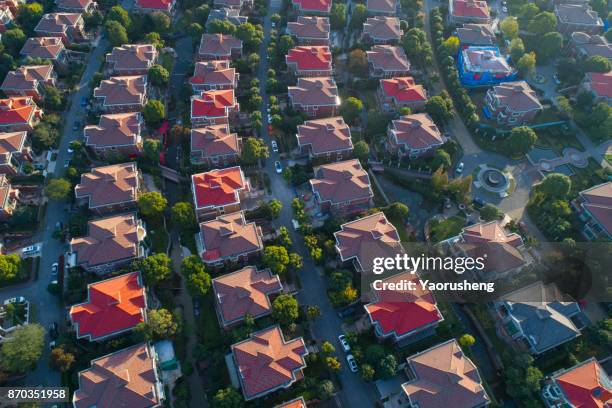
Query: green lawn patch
[[157, 236], [557, 138], [441, 230]]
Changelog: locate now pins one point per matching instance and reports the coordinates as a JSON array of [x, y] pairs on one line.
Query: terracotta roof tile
[[598, 201], [470, 8], [27, 77], [213, 104], [403, 89], [382, 6], [518, 96], [122, 90], [154, 4], [10, 143], [229, 236], [340, 182], [578, 14], [586, 385], [310, 58], [308, 27], [321, 6], [220, 45], [214, 140], [294, 403], [417, 131], [213, 73], [43, 47], [118, 129], [132, 57], [601, 83], [388, 58], [383, 28], [218, 187], [17, 110], [325, 135], [57, 23], [108, 185], [314, 91], [476, 34]]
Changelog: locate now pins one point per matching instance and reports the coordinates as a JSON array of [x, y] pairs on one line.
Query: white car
[[344, 343], [54, 268], [32, 249], [460, 168], [278, 167], [18, 299], [505, 9], [274, 146], [352, 363]]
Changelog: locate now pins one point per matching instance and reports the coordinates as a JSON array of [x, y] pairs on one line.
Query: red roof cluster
[[218, 187], [321, 6], [403, 89], [310, 58], [213, 104]]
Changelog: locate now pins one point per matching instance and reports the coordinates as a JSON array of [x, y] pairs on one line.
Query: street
[[355, 392]]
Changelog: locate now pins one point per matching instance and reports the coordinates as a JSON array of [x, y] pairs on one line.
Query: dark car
[[196, 307], [84, 101], [53, 330], [478, 201]]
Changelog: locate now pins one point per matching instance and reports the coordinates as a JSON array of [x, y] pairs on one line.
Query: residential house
[[382, 30], [117, 134], [29, 80], [587, 384], [76, 6], [14, 151], [578, 17], [382, 7], [219, 47], [400, 92], [247, 291], [413, 136], [67, 26], [121, 94], [585, 46], [310, 30], [403, 315], [317, 97], [537, 318], [325, 139], [594, 208], [310, 7], [131, 59], [109, 189], [294, 403], [481, 66], [231, 15], [152, 6], [128, 377], [441, 374], [266, 362], [213, 75], [214, 108], [110, 244], [215, 146], [361, 241], [233, 4], [230, 239], [599, 84], [218, 192], [310, 61], [476, 35], [19, 114], [6, 18], [8, 198], [342, 187], [512, 103], [114, 306], [388, 61], [12, 5], [468, 11], [46, 48]]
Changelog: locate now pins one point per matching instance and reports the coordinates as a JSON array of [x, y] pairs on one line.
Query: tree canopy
[[160, 324], [23, 350], [58, 189], [521, 140], [154, 112], [285, 309], [555, 186], [159, 75], [156, 268], [183, 215], [152, 203], [351, 109], [253, 150]]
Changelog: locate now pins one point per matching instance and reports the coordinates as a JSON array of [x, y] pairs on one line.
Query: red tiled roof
[[294, 403], [125, 378], [342, 181], [27, 77], [400, 312], [108, 185], [57, 23], [220, 45], [266, 361], [586, 385], [113, 306], [417, 131], [470, 8], [598, 201], [388, 58], [214, 140], [229, 236], [132, 57], [383, 28], [218, 188], [310, 27], [310, 58], [73, 4], [403, 89], [325, 135], [213, 73], [323, 6], [314, 91], [10, 143], [601, 83], [213, 104], [517, 95], [17, 110], [118, 129], [246, 291], [122, 90], [42, 47], [383, 6], [154, 4]]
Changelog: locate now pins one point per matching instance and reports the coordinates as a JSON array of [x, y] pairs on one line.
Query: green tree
[[337, 16], [183, 215], [441, 159], [252, 35], [53, 99], [253, 150], [361, 150], [159, 75], [521, 140], [440, 108], [227, 398], [152, 203], [275, 18], [517, 49], [351, 109], [584, 100], [156, 268], [550, 45], [358, 62], [22, 349], [192, 265], [116, 33], [160, 22], [327, 348], [313, 311], [564, 106], [543, 23], [9, 267], [527, 13], [285, 309], [451, 45], [608, 35], [151, 149], [61, 359], [387, 366], [154, 39], [600, 6], [160, 324], [28, 15], [332, 364], [285, 43], [596, 63], [276, 258], [461, 189], [489, 212], [274, 208], [13, 40], [360, 13], [154, 112], [467, 340], [325, 389], [198, 280], [221, 27], [367, 372], [120, 15], [195, 30], [555, 186], [58, 189], [526, 64], [510, 27]]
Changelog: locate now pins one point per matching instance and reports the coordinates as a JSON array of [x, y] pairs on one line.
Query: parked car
[[460, 168], [278, 167], [67, 163], [274, 146], [54, 268], [344, 343], [84, 101], [556, 79], [505, 9], [196, 307], [352, 363], [30, 250], [17, 299], [53, 330], [75, 126]]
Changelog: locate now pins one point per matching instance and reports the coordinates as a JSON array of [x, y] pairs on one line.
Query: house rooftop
[[325, 135], [229, 236], [218, 187], [117, 129], [294, 403], [383, 28], [213, 104], [416, 131], [220, 45], [388, 58], [470, 8], [43, 47], [113, 306], [127, 377], [586, 385], [245, 291], [601, 83], [597, 201], [310, 58], [109, 185], [57, 23], [154, 4], [314, 91], [18, 110], [592, 45], [403, 89], [214, 140], [309, 27], [320, 6], [485, 59], [10, 143], [476, 34], [381, 6], [27, 77], [122, 90], [213, 73], [518, 96], [578, 14], [132, 57], [342, 181]]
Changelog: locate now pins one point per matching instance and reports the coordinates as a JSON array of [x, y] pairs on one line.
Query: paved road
[[355, 393]]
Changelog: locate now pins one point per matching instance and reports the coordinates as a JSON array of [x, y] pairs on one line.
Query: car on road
[[459, 169], [32, 249], [278, 167], [17, 299], [344, 343], [505, 9], [67, 163], [53, 330], [352, 363], [75, 125], [54, 268], [84, 101], [556, 79], [274, 146], [70, 150], [196, 307]]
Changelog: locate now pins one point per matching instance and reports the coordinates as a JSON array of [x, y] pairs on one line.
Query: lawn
[[590, 176], [157, 236], [557, 139], [441, 230]]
